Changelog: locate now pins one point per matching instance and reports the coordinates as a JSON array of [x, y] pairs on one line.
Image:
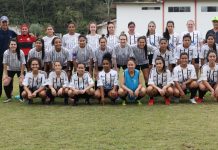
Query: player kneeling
[[57, 82], [107, 81], [160, 82], [131, 83], [34, 82], [209, 77], [81, 85]]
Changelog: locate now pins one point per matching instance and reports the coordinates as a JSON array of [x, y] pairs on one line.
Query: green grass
[[178, 126]]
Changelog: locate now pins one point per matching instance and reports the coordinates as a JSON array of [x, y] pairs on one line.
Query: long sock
[[201, 93], [193, 92], [21, 90]]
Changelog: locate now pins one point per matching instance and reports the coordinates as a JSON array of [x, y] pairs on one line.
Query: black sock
[[201, 93], [193, 92]]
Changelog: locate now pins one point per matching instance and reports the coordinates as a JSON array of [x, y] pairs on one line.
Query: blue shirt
[[214, 33], [131, 82], [5, 36]]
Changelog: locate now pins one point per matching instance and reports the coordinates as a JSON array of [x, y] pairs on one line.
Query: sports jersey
[[131, 82], [204, 51], [160, 79], [58, 82], [93, 41], [107, 80], [80, 83], [191, 51], [153, 40], [82, 55], [26, 42], [48, 42], [183, 74], [98, 55], [33, 53], [208, 74], [122, 54], [70, 41], [140, 54], [34, 82], [112, 40], [132, 39], [173, 41], [167, 56], [11, 60]]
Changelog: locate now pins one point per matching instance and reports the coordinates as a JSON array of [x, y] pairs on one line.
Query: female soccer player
[[57, 81], [152, 39], [34, 82], [39, 52], [112, 39], [83, 53], [93, 37], [209, 77], [81, 85], [209, 45], [131, 84], [132, 35], [141, 51], [14, 63], [121, 53], [160, 82], [184, 77], [187, 48], [50, 35], [165, 53], [107, 81]]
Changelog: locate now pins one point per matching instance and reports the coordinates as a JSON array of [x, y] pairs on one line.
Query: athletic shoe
[[7, 100], [193, 101], [199, 100], [139, 102], [124, 103], [167, 101], [151, 102], [21, 100]]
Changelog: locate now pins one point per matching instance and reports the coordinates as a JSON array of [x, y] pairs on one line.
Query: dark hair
[[108, 57], [214, 44], [18, 47], [145, 47], [166, 34], [108, 23], [30, 62], [132, 59], [43, 46], [183, 53], [55, 38], [82, 36], [131, 23], [71, 22], [164, 39], [92, 22], [80, 63], [123, 34], [102, 37], [49, 25], [211, 51], [148, 32], [163, 61], [187, 36]]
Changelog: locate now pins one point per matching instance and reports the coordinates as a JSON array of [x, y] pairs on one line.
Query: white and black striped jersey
[[167, 56], [154, 40], [196, 38], [34, 82], [160, 79], [209, 74], [140, 53], [183, 74], [98, 55], [58, 82], [81, 83], [122, 54], [48, 42], [191, 51], [83, 55], [11, 60], [62, 56], [173, 41], [93, 41], [132, 39], [33, 53], [70, 41], [112, 40], [107, 80], [204, 51]]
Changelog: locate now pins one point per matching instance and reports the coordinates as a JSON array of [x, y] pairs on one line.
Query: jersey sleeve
[[71, 84], [175, 74], [169, 78], [5, 58], [150, 79], [195, 53], [131, 54], [65, 81], [25, 81], [90, 80], [203, 73], [99, 82], [22, 58], [116, 82], [154, 57], [193, 73], [201, 54]]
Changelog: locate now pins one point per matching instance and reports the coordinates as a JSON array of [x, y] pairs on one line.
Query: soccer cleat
[[199, 100], [21, 100], [193, 101], [139, 102], [7, 100], [151, 102], [124, 103], [167, 101]]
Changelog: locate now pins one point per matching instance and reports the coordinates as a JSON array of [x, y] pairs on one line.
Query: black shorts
[[34, 89], [197, 60], [150, 58], [100, 68], [142, 67], [106, 92], [123, 66]]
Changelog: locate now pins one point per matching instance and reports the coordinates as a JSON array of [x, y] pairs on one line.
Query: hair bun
[[107, 56]]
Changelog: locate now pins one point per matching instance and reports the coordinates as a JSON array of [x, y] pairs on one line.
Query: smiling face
[[103, 43], [80, 69], [82, 42], [71, 28], [50, 31], [131, 28], [141, 43], [212, 57], [190, 25], [57, 43], [123, 40], [151, 27], [210, 40], [24, 30], [34, 65], [111, 28], [4, 25], [57, 66], [163, 45], [13, 45], [38, 45], [215, 24], [106, 65], [186, 42], [131, 65], [184, 60], [92, 28], [170, 27], [159, 65]]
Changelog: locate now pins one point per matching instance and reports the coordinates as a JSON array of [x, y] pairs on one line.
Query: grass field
[[176, 127]]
